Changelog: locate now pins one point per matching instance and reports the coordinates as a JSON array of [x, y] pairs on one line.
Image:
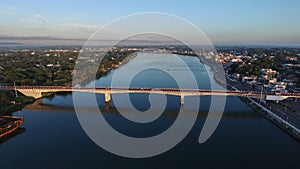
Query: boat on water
[[8, 124]]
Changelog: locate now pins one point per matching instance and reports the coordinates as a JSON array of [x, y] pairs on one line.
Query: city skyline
[[225, 23]]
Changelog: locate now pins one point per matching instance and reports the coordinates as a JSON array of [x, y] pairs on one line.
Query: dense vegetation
[[254, 67], [10, 103], [49, 68]]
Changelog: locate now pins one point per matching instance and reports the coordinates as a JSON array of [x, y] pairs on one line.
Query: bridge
[[36, 92]]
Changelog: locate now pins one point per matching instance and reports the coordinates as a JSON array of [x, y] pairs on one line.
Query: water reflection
[[109, 108], [10, 136]]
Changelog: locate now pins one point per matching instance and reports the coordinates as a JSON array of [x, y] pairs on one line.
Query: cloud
[[23, 20], [67, 19], [36, 19], [40, 18], [6, 12], [36, 38], [82, 26]]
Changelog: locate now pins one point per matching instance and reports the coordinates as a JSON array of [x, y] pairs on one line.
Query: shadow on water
[[10, 136], [107, 108]]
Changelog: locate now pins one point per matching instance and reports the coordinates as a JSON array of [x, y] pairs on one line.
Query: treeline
[[49, 68], [254, 67], [36, 68]]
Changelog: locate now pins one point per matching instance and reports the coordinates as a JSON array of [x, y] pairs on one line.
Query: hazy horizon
[[224, 23]]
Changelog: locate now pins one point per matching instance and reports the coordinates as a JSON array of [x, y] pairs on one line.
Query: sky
[[272, 22]]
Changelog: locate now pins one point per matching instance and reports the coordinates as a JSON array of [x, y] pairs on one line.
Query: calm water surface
[[53, 137]]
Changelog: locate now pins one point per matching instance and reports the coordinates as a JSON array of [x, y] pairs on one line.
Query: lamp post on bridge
[[16, 93], [261, 93]]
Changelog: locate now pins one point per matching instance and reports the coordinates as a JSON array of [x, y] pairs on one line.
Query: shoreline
[[269, 115], [11, 108], [266, 113]]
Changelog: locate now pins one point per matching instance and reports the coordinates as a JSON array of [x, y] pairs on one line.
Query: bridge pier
[[107, 97], [182, 99], [107, 106]]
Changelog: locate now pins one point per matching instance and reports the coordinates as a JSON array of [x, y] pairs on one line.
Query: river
[[52, 136]]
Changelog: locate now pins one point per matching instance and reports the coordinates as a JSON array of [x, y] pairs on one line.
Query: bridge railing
[[295, 94]]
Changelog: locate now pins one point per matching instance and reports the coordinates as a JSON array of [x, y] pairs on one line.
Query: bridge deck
[[36, 91]]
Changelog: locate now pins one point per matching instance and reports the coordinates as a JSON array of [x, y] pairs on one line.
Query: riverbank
[[9, 103], [16, 104], [265, 112], [269, 115], [281, 123]]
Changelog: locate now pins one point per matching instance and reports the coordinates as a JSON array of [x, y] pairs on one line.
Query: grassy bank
[[10, 103]]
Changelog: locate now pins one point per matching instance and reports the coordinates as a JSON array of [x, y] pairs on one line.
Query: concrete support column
[[182, 99], [107, 97], [107, 106]]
